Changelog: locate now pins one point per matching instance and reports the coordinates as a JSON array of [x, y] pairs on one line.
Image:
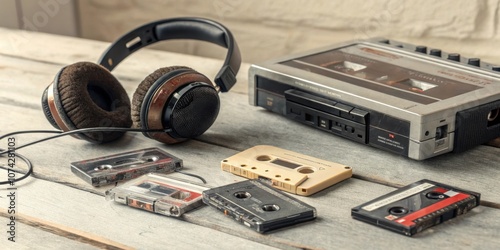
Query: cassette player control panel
[[411, 100]]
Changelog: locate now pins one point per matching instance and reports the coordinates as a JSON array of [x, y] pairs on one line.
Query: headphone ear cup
[[46, 109], [142, 90], [178, 99], [144, 87], [87, 95], [192, 110]]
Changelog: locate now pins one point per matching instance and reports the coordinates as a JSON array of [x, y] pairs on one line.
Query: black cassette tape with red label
[[418, 206]]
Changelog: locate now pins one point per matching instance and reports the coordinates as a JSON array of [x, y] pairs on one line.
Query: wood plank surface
[[29, 236], [90, 216], [240, 126], [57, 196], [64, 205]]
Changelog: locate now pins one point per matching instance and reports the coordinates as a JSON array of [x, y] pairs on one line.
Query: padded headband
[[178, 28]]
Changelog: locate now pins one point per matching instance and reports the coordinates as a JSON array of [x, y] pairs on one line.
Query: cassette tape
[[258, 205], [286, 170], [159, 194], [125, 166], [416, 207]]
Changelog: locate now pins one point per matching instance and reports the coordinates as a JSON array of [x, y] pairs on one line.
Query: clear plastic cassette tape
[[125, 166], [159, 194]]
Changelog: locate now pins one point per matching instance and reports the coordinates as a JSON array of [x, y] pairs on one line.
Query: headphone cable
[[59, 134], [30, 169], [76, 131], [31, 132]]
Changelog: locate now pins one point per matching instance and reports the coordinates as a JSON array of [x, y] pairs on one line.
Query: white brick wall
[[268, 28]]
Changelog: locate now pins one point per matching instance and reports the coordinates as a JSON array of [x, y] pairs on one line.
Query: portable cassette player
[[410, 100]]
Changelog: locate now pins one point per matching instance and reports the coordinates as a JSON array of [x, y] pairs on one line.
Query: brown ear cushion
[[92, 97], [143, 88]]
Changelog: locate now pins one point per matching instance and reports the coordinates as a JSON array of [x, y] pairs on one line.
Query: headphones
[[176, 99]]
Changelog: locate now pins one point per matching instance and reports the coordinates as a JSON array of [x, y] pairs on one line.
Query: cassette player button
[[323, 123], [421, 49], [343, 110], [358, 115], [435, 52]]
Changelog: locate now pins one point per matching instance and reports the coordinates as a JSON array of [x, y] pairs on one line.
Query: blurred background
[[268, 28]]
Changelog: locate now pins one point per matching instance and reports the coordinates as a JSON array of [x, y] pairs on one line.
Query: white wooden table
[[56, 209]]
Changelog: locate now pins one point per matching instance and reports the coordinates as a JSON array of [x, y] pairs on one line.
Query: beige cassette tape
[[286, 170]]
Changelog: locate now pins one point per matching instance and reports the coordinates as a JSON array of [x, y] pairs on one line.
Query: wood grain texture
[[28, 237], [90, 213], [251, 119], [61, 230], [57, 196], [240, 126], [82, 214], [335, 229], [477, 168]]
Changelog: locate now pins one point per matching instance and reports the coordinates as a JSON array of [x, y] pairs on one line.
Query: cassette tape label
[[175, 192], [409, 219], [159, 194], [137, 202], [397, 197], [416, 207]]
